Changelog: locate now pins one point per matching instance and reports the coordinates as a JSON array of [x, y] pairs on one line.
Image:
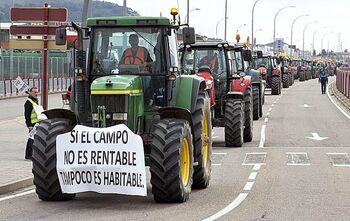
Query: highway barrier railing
[[343, 81], [56, 84]]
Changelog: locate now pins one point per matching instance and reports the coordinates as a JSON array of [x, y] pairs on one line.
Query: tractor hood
[[117, 84]]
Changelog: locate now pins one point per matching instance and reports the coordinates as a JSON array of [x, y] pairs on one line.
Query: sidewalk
[[340, 97], [15, 171]]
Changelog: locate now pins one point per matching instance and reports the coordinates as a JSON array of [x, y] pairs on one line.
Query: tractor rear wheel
[[203, 141], [44, 159], [256, 103], [275, 85], [285, 81], [171, 161], [248, 116], [302, 76], [234, 123]]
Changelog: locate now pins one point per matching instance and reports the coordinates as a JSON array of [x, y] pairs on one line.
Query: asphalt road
[[289, 177]]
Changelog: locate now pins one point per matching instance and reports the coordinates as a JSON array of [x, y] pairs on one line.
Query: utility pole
[[225, 35]]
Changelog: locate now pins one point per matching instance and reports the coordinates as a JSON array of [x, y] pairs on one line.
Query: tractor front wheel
[[256, 103], [248, 116], [234, 123], [275, 85], [171, 161]]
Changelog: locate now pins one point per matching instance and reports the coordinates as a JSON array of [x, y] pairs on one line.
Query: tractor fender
[[276, 72], [188, 90], [209, 82], [238, 85], [235, 95], [62, 113]]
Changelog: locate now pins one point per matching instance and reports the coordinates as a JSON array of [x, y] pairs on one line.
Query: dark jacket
[[28, 107]]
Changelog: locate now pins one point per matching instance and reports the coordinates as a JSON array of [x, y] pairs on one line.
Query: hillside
[[97, 8]]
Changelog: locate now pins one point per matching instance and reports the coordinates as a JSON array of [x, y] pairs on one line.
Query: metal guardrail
[[343, 81], [7, 87]]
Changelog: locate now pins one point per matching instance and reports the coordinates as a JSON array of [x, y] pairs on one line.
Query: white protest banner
[[21, 85], [103, 160]]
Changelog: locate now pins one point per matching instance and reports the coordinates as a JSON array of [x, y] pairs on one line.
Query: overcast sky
[[334, 15]]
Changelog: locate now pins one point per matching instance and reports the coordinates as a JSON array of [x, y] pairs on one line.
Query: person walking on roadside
[[323, 79], [32, 110]]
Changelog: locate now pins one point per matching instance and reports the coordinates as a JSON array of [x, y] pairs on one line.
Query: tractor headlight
[[120, 116]]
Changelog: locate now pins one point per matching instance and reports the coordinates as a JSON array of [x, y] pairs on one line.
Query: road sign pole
[[44, 97]]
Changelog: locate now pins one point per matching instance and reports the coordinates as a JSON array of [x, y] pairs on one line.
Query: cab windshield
[[213, 59], [127, 51], [261, 62]]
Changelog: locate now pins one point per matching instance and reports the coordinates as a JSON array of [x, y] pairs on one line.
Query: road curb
[[16, 185], [339, 96]]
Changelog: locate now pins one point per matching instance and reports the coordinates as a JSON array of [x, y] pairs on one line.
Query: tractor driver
[[137, 55]]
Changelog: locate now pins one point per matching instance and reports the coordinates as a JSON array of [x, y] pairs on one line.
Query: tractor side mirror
[[259, 54], [61, 36], [247, 55], [189, 36]]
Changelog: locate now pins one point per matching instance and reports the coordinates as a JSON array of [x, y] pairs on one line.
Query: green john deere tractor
[[170, 112]]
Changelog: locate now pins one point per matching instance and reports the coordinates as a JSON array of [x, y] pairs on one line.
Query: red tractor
[[273, 73], [221, 65]]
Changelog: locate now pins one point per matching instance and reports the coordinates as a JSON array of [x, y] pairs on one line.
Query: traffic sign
[[38, 14], [32, 30]]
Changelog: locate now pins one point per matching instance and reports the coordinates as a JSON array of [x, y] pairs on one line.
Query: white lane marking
[[268, 114], [262, 136], [270, 109], [266, 120], [17, 195], [317, 137], [257, 167], [337, 106], [212, 133], [296, 153], [216, 164], [236, 202], [252, 175], [214, 137], [305, 105], [298, 164], [219, 153], [248, 186], [272, 105], [337, 153], [274, 102]]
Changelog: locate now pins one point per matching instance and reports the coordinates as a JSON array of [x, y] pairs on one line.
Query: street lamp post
[[313, 38], [186, 17], [274, 24], [253, 9], [291, 32], [304, 36], [327, 33], [217, 25]]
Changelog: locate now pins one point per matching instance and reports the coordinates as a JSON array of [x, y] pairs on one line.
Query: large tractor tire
[[203, 141], [234, 123], [302, 76], [256, 103], [44, 159], [248, 116], [285, 81], [171, 161], [290, 78], [275, 85]]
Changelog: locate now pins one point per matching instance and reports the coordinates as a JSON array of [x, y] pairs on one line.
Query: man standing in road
[[323, 78], [31, 112]]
